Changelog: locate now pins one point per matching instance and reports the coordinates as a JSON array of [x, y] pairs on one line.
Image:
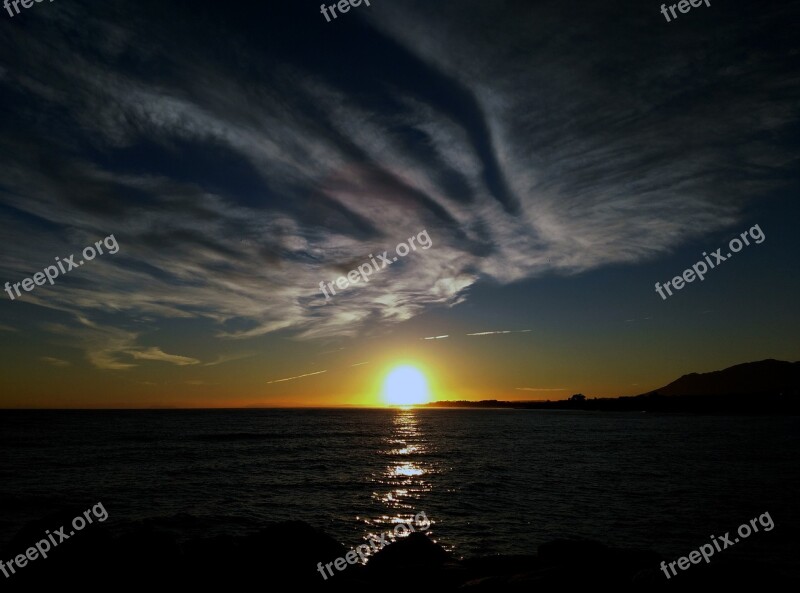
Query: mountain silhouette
[[765, 376]]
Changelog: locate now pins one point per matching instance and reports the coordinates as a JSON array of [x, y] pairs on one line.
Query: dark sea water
[[491, 481]]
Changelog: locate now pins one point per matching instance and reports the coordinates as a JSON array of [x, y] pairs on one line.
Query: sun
[[405, 386]]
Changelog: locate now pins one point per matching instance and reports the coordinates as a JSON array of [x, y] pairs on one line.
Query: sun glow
[[405, 386]]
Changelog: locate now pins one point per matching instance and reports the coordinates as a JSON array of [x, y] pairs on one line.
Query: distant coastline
[[764, 387], [764, 403]]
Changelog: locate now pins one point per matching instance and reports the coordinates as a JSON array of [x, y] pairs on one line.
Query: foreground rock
[[285, 556]]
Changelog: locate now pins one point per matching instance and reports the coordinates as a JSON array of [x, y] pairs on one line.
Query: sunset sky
[[562, 157]]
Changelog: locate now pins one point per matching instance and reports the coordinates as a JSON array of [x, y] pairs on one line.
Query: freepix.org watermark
[[343, 6], [706, 551], [43, 545], [699, 269], [50, 273], [15, 3], [364, 270], [361, 551], [684, 6]]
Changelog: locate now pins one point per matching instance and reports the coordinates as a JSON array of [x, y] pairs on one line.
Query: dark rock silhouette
[[283, 557]]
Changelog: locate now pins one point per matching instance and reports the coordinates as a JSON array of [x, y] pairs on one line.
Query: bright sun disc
[[405, 386]]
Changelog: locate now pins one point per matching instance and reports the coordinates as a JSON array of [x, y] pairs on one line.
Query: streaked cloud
[[493, 333], [229, 358], [297, 377], [520, 152], [57, 362], [154, 353]]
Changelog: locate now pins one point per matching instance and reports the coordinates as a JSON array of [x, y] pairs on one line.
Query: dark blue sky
[[563, 157]]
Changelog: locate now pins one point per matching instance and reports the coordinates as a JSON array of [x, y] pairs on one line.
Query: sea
[[490, 481]]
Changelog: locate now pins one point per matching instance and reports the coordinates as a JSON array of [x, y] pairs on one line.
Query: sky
[[560, 158]]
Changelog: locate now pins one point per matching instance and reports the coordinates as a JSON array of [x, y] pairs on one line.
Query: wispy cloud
[[297, 377], [57, 362], [154, 353], [229, 358], [110, 348], [528, 157], [493, 333]]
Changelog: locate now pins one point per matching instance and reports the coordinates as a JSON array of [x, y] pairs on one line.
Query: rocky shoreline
[[285, 556]]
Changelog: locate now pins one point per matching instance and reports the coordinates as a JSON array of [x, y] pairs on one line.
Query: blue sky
[[562, 157]]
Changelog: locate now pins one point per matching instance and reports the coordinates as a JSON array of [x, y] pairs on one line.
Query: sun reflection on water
[[403, 484], [404, 481]]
